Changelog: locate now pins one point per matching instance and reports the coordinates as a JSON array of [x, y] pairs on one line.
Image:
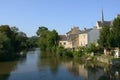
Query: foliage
[[110, 36], [80, 52], [4, 43], [48, 40], [64, 52], [12, 41], [92, 48], [32, 41], [116, 32], [104, 40]]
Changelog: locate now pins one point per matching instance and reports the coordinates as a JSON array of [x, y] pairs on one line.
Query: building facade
[[89, 36], [76, 38]]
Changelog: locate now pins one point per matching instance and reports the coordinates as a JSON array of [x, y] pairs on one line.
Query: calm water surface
[[42, 66]]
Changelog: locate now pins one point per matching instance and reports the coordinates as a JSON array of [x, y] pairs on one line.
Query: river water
[[43, 66]]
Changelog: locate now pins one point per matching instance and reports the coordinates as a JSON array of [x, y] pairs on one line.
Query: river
[[37, 65]]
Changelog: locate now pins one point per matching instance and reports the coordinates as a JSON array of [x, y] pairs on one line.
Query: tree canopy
[[12, 41], [47, 39], [110, 35]]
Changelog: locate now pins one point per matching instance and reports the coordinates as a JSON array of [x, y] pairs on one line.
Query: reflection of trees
[[6, 68], [71, 67], [48, 59], [111, 73], [87, 70]]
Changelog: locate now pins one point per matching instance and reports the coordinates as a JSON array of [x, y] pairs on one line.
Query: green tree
[[42, 32], [32, 41], [6, 29], [48, 40], [104, 40], [116, 32], [11, 41], [92, 48]]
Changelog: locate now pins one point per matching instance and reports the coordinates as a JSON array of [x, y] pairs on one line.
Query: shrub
[[64, 52]]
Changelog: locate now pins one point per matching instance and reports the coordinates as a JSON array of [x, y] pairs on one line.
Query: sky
[[60, 15]]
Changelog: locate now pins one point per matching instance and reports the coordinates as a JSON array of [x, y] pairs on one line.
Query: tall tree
[[116, 32], [104, 40], [48, 39]]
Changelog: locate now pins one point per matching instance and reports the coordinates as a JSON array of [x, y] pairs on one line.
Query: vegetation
[[48, 40], [110, 35], [12, 41], [64, 52]]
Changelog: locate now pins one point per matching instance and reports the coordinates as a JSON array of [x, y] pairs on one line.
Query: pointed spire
[[102, 16]]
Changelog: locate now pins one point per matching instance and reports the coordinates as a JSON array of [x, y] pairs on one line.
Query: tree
[[11, 41], [104, 40], [116, 32], [47, 39], [32, 41], [41, 30], [6, 29]]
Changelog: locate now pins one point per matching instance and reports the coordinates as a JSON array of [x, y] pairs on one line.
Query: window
[[60, 43], [64, 43]]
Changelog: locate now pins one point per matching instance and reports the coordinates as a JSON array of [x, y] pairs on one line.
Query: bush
[[77, 54], [64, 52], [92, 48]]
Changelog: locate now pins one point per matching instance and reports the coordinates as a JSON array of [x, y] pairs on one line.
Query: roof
[[85, 31], [63, 37], [74, 30], [107, 23]]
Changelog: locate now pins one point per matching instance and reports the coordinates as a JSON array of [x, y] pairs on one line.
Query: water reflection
[[49, 60], [6, 68], [85, 71], [47, 66]]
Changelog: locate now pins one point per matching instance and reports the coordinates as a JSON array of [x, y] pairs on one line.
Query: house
[[76, 38], [88, 36], [70, 40], [63, 41]]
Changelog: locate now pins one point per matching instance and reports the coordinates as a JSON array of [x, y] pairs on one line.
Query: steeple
[[102, 16]]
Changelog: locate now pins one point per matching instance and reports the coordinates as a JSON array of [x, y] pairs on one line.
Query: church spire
[[102, 16]]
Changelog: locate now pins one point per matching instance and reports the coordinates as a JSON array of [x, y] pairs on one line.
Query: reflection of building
[[76, 69]]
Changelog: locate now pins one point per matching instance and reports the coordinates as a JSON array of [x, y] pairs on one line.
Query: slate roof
[[85, 31], [107, 23], [63, 37], [118, 15], [74, 30]]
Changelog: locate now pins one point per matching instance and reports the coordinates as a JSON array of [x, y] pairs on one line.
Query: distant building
[[76, 37], [70, 40], [64, 41], [100, 24], [118, 16], [89, 36]]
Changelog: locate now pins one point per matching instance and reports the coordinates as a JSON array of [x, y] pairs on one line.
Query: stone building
[[70, 40], [100, 24], [88, 36]]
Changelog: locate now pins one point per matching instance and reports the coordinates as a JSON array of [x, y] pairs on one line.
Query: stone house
[[70, 40], [88, 36], [76, 38]]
